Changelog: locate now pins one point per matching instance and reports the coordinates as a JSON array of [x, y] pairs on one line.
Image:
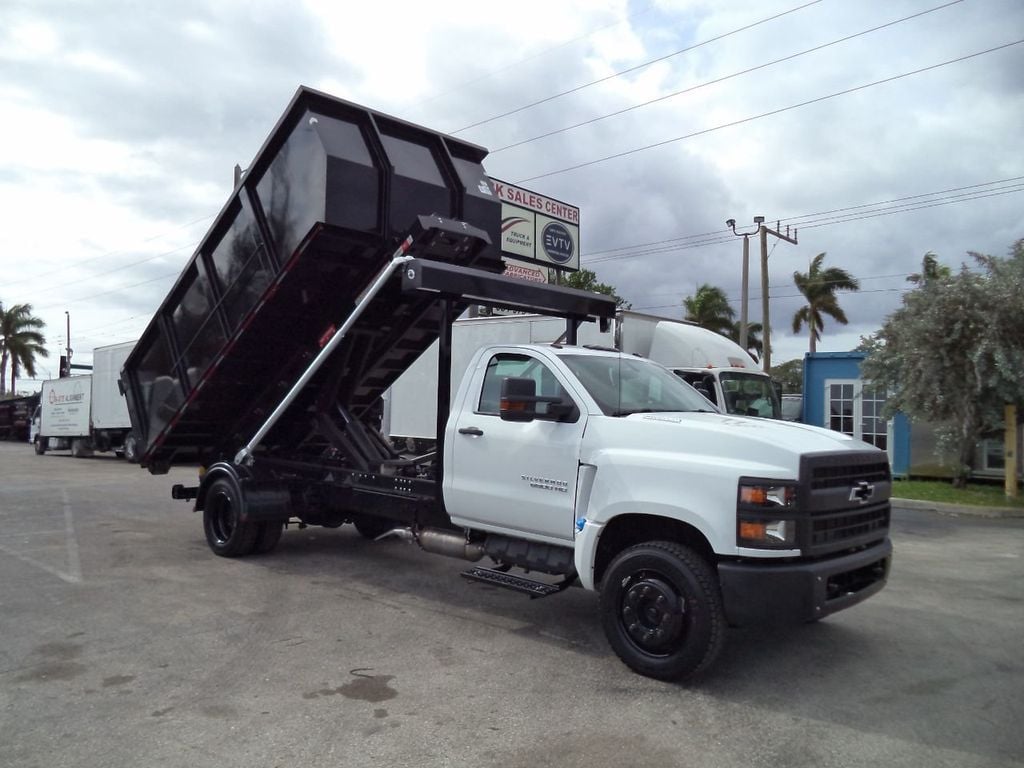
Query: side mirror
[[519, 400]]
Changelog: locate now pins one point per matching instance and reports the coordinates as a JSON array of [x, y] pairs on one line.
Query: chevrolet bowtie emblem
[[862, 492]]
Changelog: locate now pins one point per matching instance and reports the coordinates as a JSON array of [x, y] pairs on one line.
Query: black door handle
[[475, 431]]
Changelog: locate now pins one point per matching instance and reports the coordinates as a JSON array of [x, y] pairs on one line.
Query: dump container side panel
[[317, 215]]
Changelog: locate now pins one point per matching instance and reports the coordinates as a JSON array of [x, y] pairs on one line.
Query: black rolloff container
[[329, 197]]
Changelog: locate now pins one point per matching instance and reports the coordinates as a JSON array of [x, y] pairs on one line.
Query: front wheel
[[131, 449], [40, 445], [225, 532], [662, 610]]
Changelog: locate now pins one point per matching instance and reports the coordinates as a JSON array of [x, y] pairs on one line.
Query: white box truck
[[88, 413]]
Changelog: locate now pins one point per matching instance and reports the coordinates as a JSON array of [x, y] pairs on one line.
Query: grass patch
[[975, 494]]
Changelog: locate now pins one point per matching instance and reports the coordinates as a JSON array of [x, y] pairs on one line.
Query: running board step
[[530, 587]]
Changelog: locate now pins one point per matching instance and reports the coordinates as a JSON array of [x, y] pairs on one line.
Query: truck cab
[[602, 453], [735, 391]]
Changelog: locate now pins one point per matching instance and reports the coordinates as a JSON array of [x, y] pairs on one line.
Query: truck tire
[[226, 534], [131, 449], [40, 445], [80, 448], [268, 537], [372, 527], [662, 610]]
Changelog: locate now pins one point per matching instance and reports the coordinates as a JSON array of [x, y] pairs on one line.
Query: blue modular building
[[837, 397]]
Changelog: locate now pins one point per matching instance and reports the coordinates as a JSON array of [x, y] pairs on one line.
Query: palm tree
[[709, 308], [20, 342], [754, 344], [931, 271], [819, 287]]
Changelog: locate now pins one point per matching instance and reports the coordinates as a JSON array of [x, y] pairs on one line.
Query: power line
[[665, 246], [540, 54], [902, 199], [767, 114], [632, 69], [722, 79], [784, 296], [796, 219], [108, 293], [108, 254]]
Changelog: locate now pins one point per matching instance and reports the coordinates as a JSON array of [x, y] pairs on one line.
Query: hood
[[759, 445]]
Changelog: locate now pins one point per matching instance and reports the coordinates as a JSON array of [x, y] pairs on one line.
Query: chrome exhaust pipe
[[439, 542]]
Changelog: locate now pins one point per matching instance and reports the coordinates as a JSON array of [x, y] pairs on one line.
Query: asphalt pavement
[[125, 642]]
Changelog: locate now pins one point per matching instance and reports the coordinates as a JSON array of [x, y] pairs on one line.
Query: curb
[[957, 509]]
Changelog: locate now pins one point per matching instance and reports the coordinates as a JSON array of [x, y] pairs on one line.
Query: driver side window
[[503, 366]]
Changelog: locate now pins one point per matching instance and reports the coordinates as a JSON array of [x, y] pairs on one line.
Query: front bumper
[[771, 592]]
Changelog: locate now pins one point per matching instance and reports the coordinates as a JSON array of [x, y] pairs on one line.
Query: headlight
[[765, 495], [761, 522], [762, 534]]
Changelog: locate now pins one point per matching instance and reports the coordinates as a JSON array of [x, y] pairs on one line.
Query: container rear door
[[65, 407]]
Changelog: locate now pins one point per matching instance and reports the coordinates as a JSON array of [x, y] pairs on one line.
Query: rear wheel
[[225, 532], [268, 537], [662, 610], [80, 448]]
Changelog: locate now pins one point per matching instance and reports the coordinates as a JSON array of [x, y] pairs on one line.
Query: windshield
[[625, 385], [749, 394]]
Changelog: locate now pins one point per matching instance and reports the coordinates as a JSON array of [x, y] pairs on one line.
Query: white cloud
[[122, 125]]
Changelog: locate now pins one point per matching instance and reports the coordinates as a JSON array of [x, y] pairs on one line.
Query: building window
[[855, 408], [993, 455]]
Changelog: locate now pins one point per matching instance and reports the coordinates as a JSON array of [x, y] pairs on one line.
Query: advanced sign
[[537, 228]]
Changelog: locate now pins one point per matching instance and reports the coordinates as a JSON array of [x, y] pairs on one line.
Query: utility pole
[[745, 282], [67, 349], [764, 232]]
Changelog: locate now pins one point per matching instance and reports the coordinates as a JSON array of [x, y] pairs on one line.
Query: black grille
[[832, 528], [846, 498], [845, 476]]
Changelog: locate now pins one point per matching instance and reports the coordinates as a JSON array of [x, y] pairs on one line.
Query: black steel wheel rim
[[652, 613], [222, 520]]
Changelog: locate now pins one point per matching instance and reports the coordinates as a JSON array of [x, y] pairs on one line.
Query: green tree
[[709, 308], [819, 286], [20, 342], [754, 344], [930, 270], [586, 280], [952, 353], [790, 375]]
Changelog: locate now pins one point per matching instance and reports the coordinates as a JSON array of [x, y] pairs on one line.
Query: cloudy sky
[[881, 131]]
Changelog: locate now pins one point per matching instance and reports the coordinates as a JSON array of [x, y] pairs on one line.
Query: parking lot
[[125, 642]]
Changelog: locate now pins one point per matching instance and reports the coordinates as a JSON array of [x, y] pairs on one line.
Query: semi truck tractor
[[87, 413], [352, 245]]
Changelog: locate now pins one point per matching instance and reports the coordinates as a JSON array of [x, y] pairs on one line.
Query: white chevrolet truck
[[554, 466], [684, 519]]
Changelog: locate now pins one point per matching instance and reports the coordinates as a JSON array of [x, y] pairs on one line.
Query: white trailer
[[88, 413]]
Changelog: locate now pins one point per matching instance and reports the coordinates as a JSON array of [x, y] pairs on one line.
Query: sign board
[[538, 229]]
